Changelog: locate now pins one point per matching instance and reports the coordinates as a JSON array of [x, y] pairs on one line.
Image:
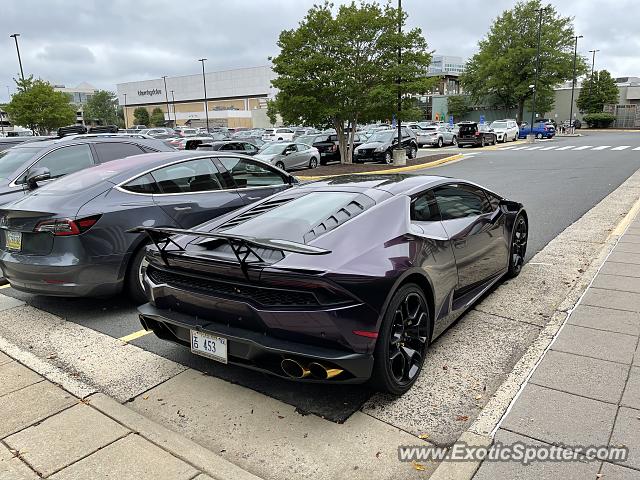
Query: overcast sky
[[112, 41]]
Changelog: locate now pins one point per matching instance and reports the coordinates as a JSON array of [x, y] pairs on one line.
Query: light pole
[[204, 84], [166, 97], [173, 102], [535, 83], [125, 111], [15, 37], [400, 152], [593, 64], [573, 81]]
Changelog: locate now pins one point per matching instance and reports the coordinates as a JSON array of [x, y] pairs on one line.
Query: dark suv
[[476, 134], [379, 146], [327, 145], [24, 166]]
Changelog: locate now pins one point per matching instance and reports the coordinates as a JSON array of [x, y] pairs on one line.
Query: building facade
[[235, 98], [78, 95], [446, 64]]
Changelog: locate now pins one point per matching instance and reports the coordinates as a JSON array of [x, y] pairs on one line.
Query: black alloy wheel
[[518, 247], [134, 281], [402, 345]]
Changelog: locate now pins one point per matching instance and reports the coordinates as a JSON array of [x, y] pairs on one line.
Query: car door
[[194, 191], [253, 180], [475, 226], [447, 136], [290, 158], [302, 155], [62, 161]]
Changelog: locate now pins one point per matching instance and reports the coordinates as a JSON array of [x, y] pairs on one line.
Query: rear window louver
[[350, 210], [255, 211]]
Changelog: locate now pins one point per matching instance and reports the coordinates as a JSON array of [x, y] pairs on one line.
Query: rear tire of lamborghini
[[133, 280], [518, 247], [402, 341]]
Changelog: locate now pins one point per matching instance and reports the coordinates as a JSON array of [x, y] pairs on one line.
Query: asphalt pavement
[[556, 186]]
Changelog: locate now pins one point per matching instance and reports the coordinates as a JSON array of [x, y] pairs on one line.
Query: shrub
[[599, 120]]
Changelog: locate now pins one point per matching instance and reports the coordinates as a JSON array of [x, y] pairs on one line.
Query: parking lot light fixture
[[173, 101], [593, 64], [166, 97], [125, 111], [15, 37], [573, 81], [204, 84], [535, 83]]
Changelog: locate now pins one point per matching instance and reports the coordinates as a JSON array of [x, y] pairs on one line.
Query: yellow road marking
[[134, 335], [620, 228], [5, 286]]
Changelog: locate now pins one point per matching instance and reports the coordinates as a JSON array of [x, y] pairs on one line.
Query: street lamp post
[[535, 83], [204, 84], [15, 37], [173, 102], [125, 111], [399, 153], [166, 97], [573, 82], [593, 64]]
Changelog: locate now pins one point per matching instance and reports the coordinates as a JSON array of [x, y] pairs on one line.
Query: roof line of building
[[196, 74]]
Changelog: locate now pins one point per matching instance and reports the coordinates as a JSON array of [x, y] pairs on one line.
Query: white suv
[[271, 134], [505, 130]]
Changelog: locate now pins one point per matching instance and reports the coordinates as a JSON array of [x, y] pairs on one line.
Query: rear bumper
[[469, 141], [255, 350]]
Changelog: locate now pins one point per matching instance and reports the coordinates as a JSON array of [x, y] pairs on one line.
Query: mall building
[[235, 98]]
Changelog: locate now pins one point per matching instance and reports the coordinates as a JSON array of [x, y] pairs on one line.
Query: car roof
[[395, 184], [76, 139]]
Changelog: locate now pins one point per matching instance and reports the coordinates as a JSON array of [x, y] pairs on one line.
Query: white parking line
[[549, 148], [601, 147], [621, 147], [533, 148], [583, 147], [519, 148], [565, 148], [507, 148], [637, 148]]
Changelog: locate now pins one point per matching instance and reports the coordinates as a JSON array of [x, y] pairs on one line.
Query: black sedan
[[379, 147], [343, 280], [69, 238]]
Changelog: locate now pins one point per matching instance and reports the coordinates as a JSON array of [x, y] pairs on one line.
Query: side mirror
[[37, 175]]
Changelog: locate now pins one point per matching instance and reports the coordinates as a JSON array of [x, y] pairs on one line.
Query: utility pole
[[15, 37], [573, 81], [535, 83], [204, 84], [173, 101], [125, 111], [166, 97], [593, 64], [399, 152]]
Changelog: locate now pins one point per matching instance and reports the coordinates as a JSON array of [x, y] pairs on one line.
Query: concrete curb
[[462, 470], [436, 163], [176, 444]]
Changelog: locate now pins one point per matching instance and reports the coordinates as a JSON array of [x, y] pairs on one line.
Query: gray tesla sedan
[[70, 237]]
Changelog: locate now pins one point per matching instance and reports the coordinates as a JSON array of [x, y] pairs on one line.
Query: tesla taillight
[[64, 227]]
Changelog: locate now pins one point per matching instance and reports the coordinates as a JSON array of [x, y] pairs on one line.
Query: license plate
[[209, 346], [14, 240]]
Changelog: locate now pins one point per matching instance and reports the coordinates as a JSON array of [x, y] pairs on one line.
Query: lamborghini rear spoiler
[[242, 246]]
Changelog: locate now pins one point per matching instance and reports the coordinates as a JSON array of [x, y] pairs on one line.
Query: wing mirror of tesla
[[37, 175]]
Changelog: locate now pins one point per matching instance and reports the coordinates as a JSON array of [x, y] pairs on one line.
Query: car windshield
[[12, 159], [296, 218], [276, 149], [382, 137], [499, 125]]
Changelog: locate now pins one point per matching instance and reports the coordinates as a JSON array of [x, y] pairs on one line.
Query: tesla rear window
[[78, 181], [295, 219]]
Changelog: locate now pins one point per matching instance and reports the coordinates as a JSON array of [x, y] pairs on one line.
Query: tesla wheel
[[313, 163], [454, 141], [440, 143], [518, 247], [388, 158], [280, 165], [403, 340], [413, 153], [134, 281]]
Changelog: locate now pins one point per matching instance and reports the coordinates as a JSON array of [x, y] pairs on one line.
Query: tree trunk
[[352, 133], [521, 110], [342, 140]]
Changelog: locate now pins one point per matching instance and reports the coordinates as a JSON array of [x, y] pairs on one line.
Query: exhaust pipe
[[321, 372], [294, 369]]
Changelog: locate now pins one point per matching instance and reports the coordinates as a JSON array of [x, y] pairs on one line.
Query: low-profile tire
[[413, 152], [518, 247], [133, 281], [280, 165], [313, 162], [402, 341], [440, 142], [388, 157]]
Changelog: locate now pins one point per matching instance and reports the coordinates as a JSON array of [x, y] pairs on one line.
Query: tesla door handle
[[181, 209]]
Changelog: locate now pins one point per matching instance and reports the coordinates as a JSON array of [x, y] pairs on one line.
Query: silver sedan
[[290, 155]]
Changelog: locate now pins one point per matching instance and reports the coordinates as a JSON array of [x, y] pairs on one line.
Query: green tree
[[101, 108], [157, 118], [597, 91], [272, 111], [503, 69], [340, 69], [37, 106], [141, 116], [545, 100], [458, 106]]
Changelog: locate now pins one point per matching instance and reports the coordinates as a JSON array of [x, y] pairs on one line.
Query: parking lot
[[557, 180]]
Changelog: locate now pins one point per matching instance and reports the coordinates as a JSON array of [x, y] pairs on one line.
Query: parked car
[[475, 134], [160, 132], [547, 120], [328, 145], [575, 123], [540, 130], [505, 130], [289, 155], [27, 166], [230, 146], [308, 302], [436, 136], [10, 142], [70, 237], [379, 147], [299, 132], [278, 134]]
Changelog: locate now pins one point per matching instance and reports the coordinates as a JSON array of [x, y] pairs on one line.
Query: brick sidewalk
[[45, 432], [586, 390]]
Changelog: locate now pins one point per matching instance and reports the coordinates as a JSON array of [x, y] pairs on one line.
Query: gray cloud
[[105, 43]]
